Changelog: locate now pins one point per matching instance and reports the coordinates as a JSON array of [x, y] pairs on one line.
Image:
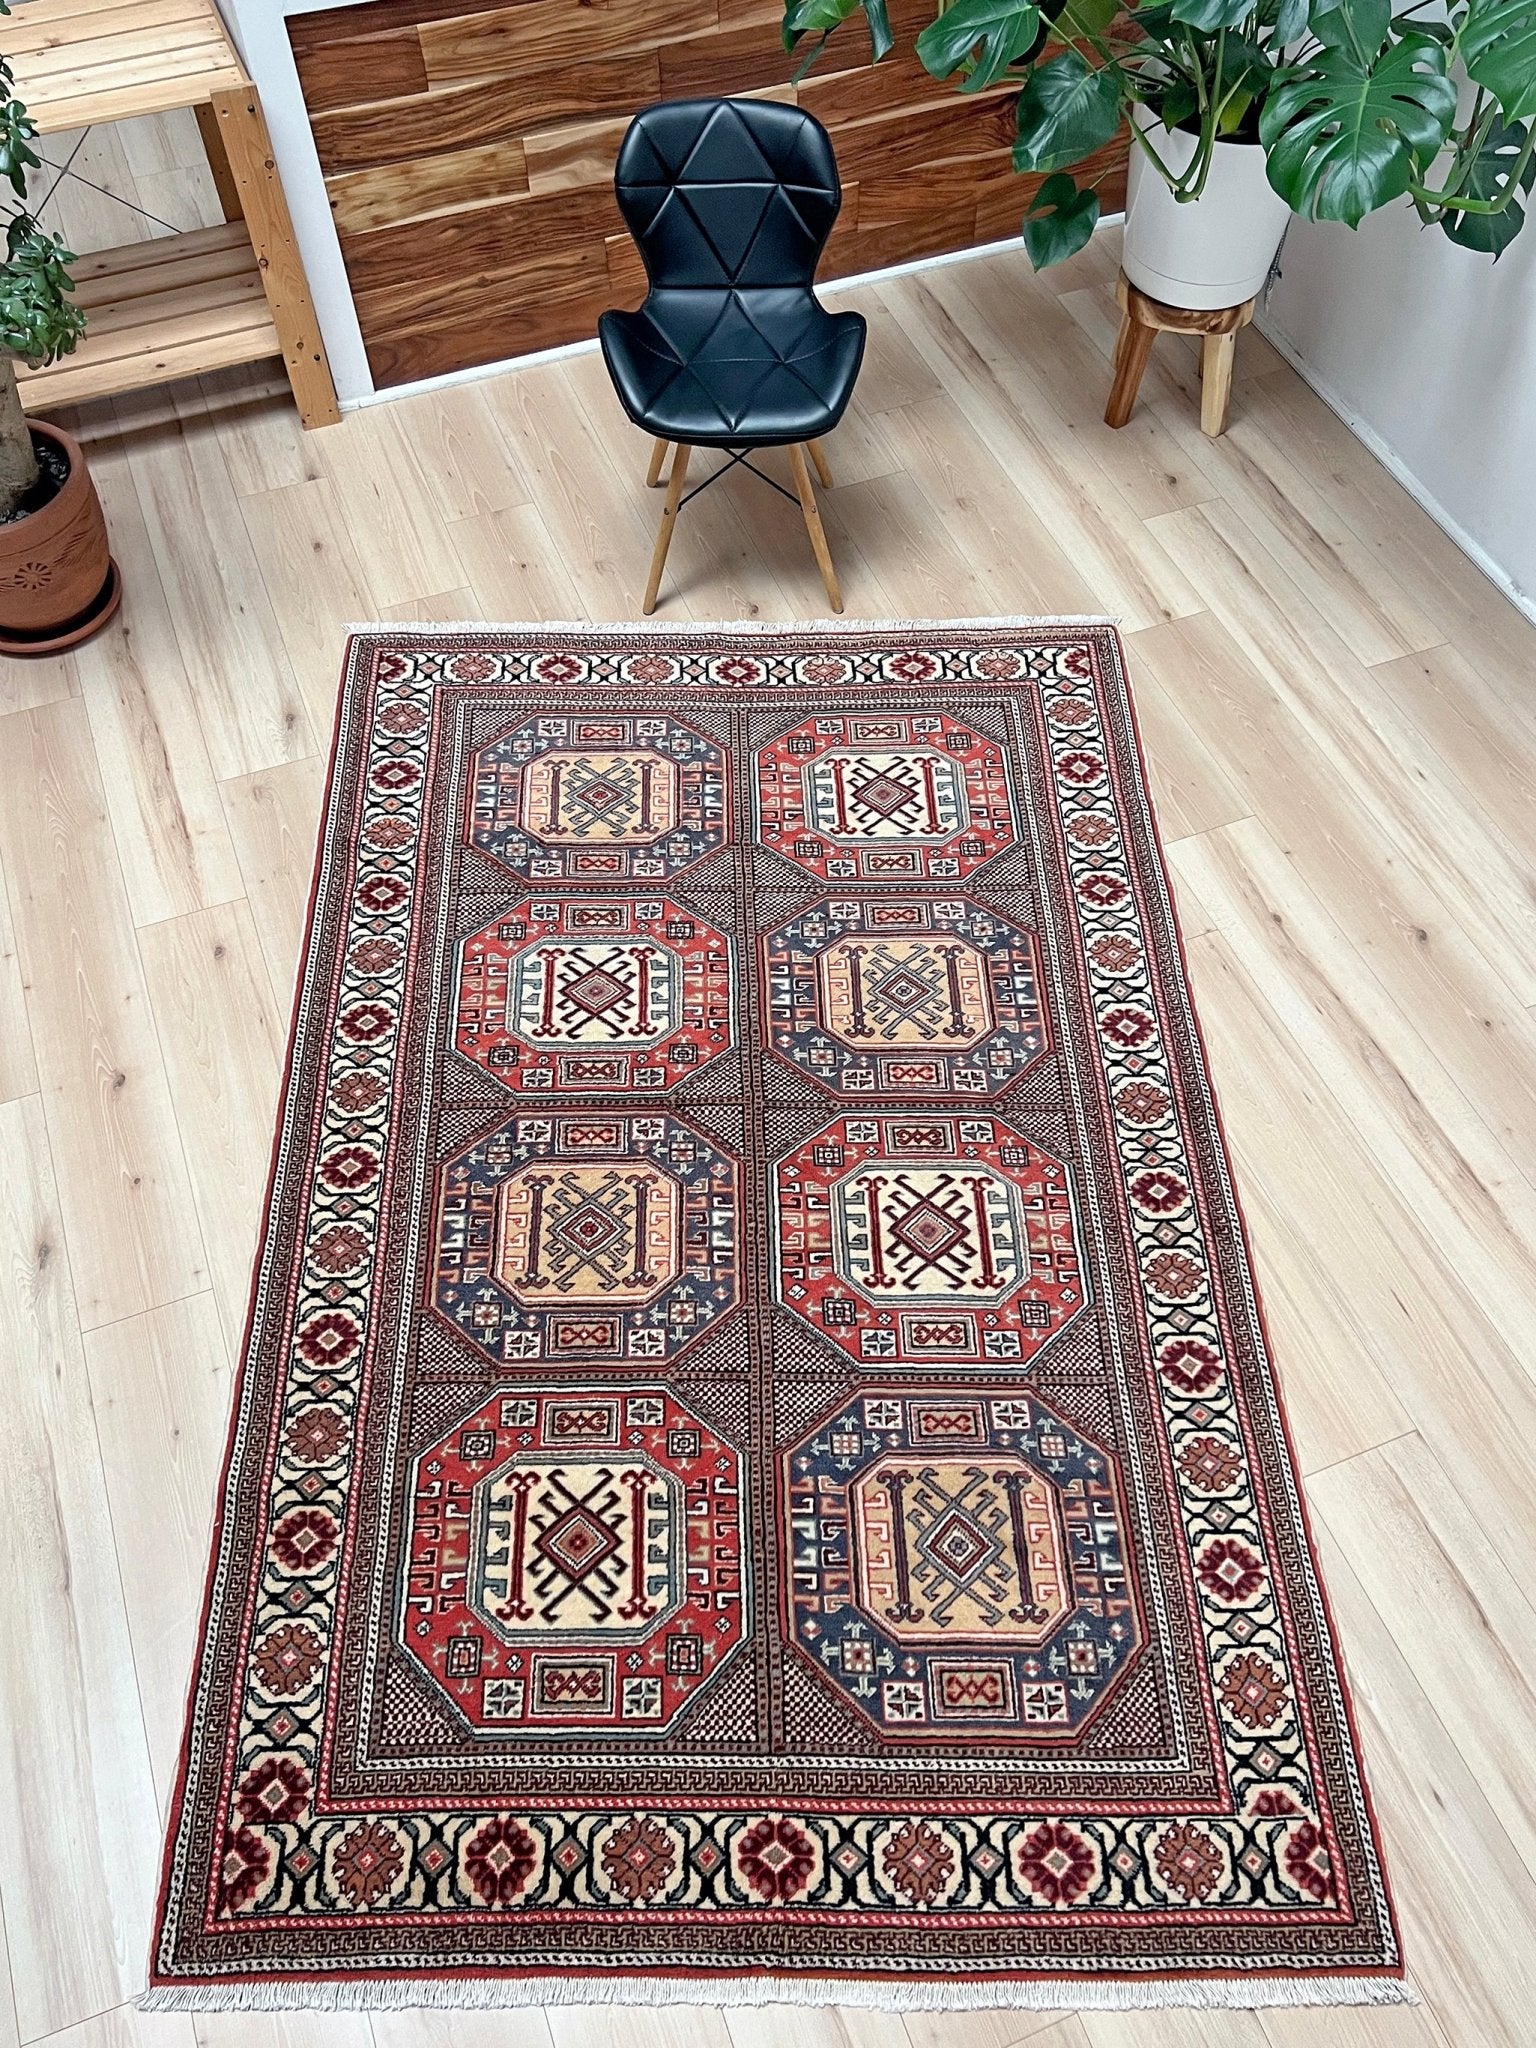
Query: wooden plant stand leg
[[658, 462], [1143, 320], [218, 163], [242, 130], [1130, 363], [1217, 355], [819, 457], [668, 522], [814, 527]]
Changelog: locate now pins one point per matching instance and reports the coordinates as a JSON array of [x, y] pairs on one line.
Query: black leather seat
[[730, 203], [756, 366]]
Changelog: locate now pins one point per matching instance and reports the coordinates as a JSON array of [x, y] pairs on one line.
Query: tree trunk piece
[[18, 458]]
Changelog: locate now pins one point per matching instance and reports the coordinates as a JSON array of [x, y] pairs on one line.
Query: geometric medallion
[[598, 798], [902, 796], [893, 996], [586, 1239], [575, 1561], [928, 1241], [569, 995], [960, 1564]]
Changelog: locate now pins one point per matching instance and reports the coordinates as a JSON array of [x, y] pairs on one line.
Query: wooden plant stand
[[178, 305], [1142, 320]]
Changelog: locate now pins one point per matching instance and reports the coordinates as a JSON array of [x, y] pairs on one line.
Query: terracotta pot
[[1212, 251], [58, 582]]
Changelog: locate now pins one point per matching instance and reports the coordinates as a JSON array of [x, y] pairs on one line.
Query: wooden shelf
[[79, 61], [180, 304], [173, 307]]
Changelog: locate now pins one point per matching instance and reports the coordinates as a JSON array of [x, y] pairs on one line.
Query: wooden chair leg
[[658, 461], [813, 526], [1217, 353], [1128, 374], [668, 521], [1122, 337], [819, 457]]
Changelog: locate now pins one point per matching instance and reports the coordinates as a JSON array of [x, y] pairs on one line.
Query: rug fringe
[[1056, 1994], [689, 627]]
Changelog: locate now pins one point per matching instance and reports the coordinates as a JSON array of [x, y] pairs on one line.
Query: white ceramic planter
[[1212, 251]]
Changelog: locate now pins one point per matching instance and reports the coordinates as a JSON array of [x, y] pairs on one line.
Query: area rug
[[757, 1473]]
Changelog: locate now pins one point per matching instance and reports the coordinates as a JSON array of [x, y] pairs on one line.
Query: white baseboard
[[1391, 461]]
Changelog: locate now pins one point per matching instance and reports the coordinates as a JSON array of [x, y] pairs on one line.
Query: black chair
[[730, 203]]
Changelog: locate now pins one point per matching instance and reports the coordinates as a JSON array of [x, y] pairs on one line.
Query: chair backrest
[[728, 193]]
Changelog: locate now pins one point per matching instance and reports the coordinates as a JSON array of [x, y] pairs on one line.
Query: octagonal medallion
[[922, 996], [583, 797], [571, 994], [889, 796], [575, 1561], [928, 1240], [960, 1563], [586, 1239]]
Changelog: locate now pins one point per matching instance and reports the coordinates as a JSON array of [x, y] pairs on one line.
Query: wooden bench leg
[[253, 172], [1131, 362], [813, 526], [1217, 353], [658, 461], [218, 163], [668, 522], [818, 456]]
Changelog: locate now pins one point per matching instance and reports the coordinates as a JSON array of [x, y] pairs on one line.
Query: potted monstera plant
[[1241, 112], [57, 579]]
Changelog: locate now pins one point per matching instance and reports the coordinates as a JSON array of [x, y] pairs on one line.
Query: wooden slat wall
[[468, 149]]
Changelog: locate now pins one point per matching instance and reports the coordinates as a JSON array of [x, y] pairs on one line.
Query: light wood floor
[[1342, 728]]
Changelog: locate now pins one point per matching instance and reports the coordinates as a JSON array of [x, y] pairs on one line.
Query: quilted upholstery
[[730, 203]]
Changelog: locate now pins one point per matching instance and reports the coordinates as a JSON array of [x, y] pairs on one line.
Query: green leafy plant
[[1355, 105], [39, 322]]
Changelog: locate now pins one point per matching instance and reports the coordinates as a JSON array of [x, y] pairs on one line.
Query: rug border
[[503, 1989]]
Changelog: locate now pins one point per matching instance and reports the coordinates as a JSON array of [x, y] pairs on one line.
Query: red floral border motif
[[689, 1513]]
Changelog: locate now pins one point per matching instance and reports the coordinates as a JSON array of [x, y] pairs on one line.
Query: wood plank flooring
[[1342, 732]]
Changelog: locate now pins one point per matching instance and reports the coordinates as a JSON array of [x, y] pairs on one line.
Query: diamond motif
[[595, 991], [599, 796], [578, 1542], [903, 991], [885, 796], [928, 1231], [960, 1546], [589, 1229]]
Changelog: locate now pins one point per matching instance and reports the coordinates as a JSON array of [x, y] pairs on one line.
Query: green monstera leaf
[[1290, 20], [987, 35], [1066, 111], [1210, 15], [1361, 25], [1489, 177], [1349, 128], [1061, 219], [1498, 47], [820, 17]]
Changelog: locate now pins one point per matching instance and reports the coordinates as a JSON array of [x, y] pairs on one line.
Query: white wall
[[260, 32], [1430, 352]]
